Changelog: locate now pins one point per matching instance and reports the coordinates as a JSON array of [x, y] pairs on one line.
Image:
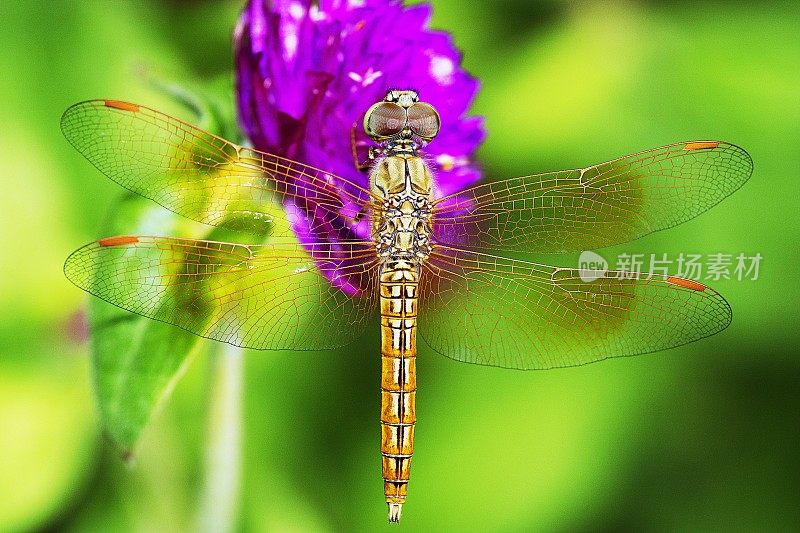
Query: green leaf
[[211, 103], [137, 361]]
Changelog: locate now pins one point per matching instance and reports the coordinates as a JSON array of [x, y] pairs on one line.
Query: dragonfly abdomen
[[398, 290], [402, 239]]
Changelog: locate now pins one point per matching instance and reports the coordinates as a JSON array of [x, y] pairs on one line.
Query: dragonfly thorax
[[404, 232], [403, 228]]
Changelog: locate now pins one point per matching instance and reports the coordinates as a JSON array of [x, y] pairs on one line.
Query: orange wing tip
[[686, 283], [703, 145], [118, 241], [124, 106]]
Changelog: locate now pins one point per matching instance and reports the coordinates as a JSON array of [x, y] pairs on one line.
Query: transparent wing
[[502, 312], [596, 206], [204, 177], [273, 296]]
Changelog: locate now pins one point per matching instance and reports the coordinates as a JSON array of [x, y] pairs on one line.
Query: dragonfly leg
[[366, 165]]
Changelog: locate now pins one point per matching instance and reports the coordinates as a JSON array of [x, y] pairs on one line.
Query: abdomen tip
[[394, 511]]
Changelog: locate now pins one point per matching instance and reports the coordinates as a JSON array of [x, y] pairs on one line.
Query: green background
[[703, 437]]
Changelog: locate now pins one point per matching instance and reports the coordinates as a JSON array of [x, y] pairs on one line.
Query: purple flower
[[307, 71]]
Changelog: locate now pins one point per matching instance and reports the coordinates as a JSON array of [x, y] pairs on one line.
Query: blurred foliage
[[701, 437]]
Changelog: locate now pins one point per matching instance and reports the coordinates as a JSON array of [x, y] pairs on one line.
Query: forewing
[[204, 177], [272, 296], [597, 206], [502, 312]]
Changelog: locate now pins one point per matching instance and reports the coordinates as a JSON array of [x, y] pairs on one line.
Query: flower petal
[[307, 71]]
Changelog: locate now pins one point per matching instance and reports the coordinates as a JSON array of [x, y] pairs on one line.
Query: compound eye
[[385, 119], [423, 120]]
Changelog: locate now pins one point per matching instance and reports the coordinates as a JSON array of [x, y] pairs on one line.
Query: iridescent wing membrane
[[278, 296], [495, 311], [502, 312], [597, 206], [201, 176], [281, 295], [475, 307]]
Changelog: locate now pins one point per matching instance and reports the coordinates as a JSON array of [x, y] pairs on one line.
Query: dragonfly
[[437, 266]]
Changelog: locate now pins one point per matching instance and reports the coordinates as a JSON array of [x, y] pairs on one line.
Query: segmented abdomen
[[399, 281]]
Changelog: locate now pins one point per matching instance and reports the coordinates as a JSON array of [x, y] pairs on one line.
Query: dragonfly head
[[401, 122]]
